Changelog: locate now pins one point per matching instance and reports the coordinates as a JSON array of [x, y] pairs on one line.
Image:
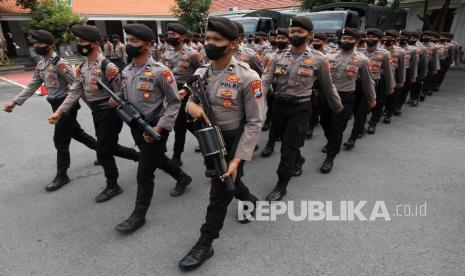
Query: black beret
[[273, 33], [321, 36], [224, 26], [177, 28], [393, 33], [260, 33], [445, 34], [375, 31], [42, 36], [427, 33], [87, 32], [435, 34], [303, 22], [140, 31], [414, 34], [405, 32], [283, 31], [196, 35], [339, 33], [239, 27], [352, 32], [250, 35], [115, 36]]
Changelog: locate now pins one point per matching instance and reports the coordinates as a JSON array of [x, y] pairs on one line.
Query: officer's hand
[[54, 118], [435, 72], [338, 109], [414, 80], [150, 139], [182, 93], [371, 103], [232, 170], [390, 92], [113, 103], [9, 106], [197, 112]]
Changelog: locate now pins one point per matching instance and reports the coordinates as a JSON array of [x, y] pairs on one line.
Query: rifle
[[129, 113], [210, 138]]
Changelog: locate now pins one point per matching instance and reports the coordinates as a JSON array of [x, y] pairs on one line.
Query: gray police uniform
[[151, 88], [399, 70], [107, 123], [236, 97], [57, 76], [411, 67]]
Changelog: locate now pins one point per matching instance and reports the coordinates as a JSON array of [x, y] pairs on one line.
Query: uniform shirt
[[85, 84], [423, 60], [345, 69], [250, 46], [197, 46], [250, 57], [443, 50], [380, 66], [295, 76], [431, 53], [261, 47], [397, 64], [183, 63], [411, 60], [152, 89], [267, 53], [120, 50], [236, 97], [57, 79], [107, 49]]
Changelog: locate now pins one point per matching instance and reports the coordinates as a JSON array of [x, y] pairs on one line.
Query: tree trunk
[[441, 19]]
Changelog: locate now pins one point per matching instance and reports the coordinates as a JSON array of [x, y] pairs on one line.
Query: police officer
[[282, 44], [250, 42], [423, 60], [197, 45], [235, 93], [182, 61], [434, 65], [106, 121], [107, 46], [398, 67], [445, 58], [294, 73], [151, 88], [57, 75], [119, 52], [346, 66], [381, 73], [411, 68], [245, 54]]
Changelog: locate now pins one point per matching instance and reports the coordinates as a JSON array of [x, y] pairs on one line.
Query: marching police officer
[[182, 61], [382, 74], [245, 54], [151, 88], [411, 68], [346, 66], [235, 94], [434, 65], [57, 75], [118, 55], [423, 60], [294, 73], [107, 123]]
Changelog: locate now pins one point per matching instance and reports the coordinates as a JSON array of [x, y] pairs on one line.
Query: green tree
[[57, 17], [25, 4], [192, 13], [310, 4]]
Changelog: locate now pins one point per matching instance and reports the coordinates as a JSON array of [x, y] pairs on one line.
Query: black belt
[[292, 100], [95, 105]]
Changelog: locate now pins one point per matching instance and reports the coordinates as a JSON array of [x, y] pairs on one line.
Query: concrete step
[[11, 69]]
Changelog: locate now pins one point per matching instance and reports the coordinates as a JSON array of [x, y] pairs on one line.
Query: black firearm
[[210, 138], [129, 113]]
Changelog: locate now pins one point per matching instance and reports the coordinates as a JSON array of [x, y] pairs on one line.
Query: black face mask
[[388, 43], [195, 41], [297, 41], [412, 42], [424, 39], [256, 40], [403, 41], [173, 41], [273, 43], [84, 50], [371, 42], [214, 52], [317, 46], [345, 45], [281, 45], [133, 51], [162, 41], [41, 51], [249, 40]]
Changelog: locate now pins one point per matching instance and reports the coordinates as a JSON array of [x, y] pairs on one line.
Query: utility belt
[[96, 106], [292, 100]]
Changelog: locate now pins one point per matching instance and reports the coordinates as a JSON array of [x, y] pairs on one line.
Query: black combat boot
[[279, 191], [387, 119], [298, 166], [268, 150], [130, 225], [254, 200], [371, 127], [327, 165], [350, 143], [180, 187], [60, 180], [110, 191], [201, 252]]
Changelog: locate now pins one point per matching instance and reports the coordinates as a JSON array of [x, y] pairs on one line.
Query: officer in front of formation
[[107, 123], [235, 94], [293, 73], [57, 75], [347, 65], [182, 61], [151, 88]]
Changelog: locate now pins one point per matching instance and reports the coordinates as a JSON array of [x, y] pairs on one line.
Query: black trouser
[[181, 126], [107, 128], [429, 83], [403, 92], [416, 89], [219, 196], [67, 128], [152, 156], [290, 120], [325, 115], [269, 105], [361, 111], [314, 112], [337, 123], [445, 63], [381, 97]]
